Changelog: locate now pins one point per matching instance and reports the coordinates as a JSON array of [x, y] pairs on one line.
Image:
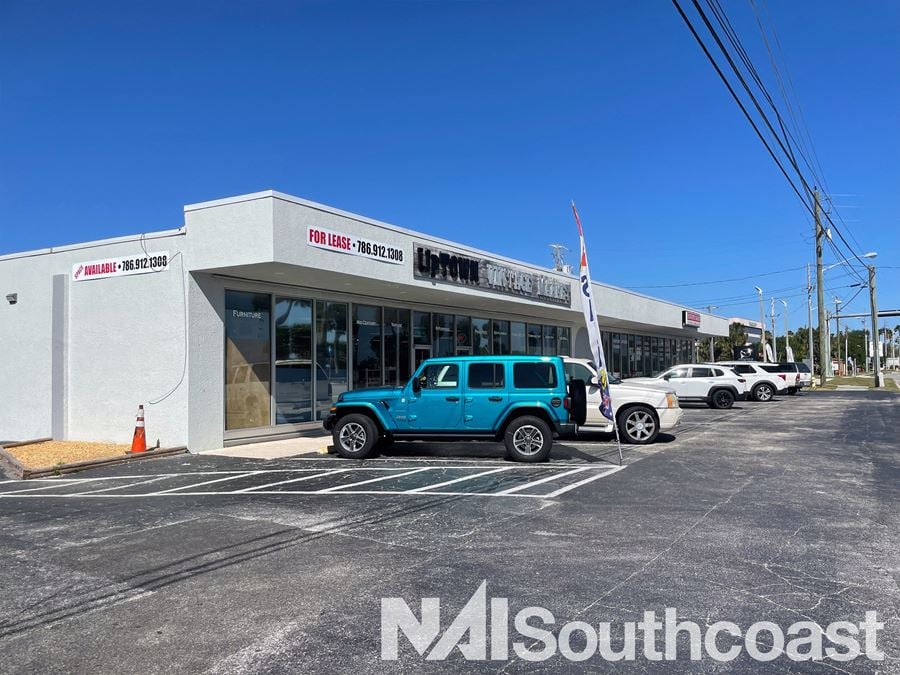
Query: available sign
[[690, 318], [347, 243], [121, 267]]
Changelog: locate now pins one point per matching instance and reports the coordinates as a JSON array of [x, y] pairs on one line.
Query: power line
[[762, 114], [720, 281]]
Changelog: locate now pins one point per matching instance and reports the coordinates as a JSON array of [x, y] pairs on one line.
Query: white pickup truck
[[642, 410]]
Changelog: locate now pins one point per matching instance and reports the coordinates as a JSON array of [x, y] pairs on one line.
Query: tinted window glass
[[701, 372], [439, 376], [803, 368], [577, 371], [486, 376], [743, 368], [718, 372], [678, 372], [534, 375], [771, 367]]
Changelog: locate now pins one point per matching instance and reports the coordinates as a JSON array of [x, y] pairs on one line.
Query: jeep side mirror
[[416, 385], [667, 377], [595, 381]]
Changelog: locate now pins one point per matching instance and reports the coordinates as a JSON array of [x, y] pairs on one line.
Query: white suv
[[762, 385], [717, 386], [642, 411]]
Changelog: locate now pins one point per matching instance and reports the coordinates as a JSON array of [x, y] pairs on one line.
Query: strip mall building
[[250, 319]]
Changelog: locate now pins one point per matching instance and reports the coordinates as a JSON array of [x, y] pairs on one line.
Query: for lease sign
[[142, 263], [353, 245]]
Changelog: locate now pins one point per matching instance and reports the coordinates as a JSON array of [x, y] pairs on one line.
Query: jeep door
[[437, 406], [485, 395]]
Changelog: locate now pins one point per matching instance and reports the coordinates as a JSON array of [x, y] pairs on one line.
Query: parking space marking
[[375, 480], [122, 487], [291, 480], [93, 487], [587, 480], [456, 480], [207, 482], [525, 486]]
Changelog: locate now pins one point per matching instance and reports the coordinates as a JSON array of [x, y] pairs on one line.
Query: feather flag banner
[[590, 320]]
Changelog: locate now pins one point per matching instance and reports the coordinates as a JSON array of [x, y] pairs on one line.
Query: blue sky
[[474, 121]]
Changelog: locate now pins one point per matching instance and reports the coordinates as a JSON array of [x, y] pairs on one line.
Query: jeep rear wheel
[[355, 437], [528, 439]]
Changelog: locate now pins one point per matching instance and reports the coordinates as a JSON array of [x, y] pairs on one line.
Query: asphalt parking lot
[[780, 512]]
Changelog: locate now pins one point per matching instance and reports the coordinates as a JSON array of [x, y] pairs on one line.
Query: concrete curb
[[18, 470]]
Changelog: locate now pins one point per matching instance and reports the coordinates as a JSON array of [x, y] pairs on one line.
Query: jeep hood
[[371, 394]]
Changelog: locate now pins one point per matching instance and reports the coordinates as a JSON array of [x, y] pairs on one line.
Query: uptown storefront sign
[[352, 245], [434, 264]]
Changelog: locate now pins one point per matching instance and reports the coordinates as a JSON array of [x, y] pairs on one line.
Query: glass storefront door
[[248, 365], [367, 344], [294, 383], [396, 346]]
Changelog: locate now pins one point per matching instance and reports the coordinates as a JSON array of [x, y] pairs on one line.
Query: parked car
[[787, 372], [801, 369], [717, 386], [521, 400], [642, 410], [762, 385]]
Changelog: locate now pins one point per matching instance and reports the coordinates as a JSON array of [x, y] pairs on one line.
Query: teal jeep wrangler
[[521, 400]]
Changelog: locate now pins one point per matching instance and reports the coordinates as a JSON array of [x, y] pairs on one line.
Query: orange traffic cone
[[139, 441]]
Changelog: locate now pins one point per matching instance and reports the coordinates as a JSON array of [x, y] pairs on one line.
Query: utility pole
[[712, 340], [762, 325], [824, 355], [787, 334], [837, 332], [774, 341], [873, 307], [847, 348], [812, 360]]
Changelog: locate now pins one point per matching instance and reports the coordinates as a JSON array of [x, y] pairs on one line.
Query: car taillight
[[742, 380], [567, 403], [783, 377]]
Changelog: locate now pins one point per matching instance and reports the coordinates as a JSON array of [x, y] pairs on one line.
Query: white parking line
[[120, 487], [557, 493], [525, 486], [375, 480], [206, 482], [291, 480], [59, 482], [456, 480]]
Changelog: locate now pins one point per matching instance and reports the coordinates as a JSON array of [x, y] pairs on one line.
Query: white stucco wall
[[124, 345]]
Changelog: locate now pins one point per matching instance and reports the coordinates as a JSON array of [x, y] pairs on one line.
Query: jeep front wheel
[[528, 439], [355, 437]]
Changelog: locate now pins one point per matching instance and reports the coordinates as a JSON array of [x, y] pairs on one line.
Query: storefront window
[[648, 364], [421, 328], [616, 365], [366, 346], [550, 347], [632, 358], [443, 335], [564, 343], [463, 335], [248, 365], [481, 336], [517, 342], [294, 389], [501, 337], [638, 357], [396, 346], [534, 339], [331, 353]]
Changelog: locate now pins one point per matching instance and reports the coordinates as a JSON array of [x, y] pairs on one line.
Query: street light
[[871, 254], [712, 341], [788, 355], [762, 324]]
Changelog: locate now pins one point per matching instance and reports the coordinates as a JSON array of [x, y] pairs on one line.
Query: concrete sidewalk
[[289, 447]]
